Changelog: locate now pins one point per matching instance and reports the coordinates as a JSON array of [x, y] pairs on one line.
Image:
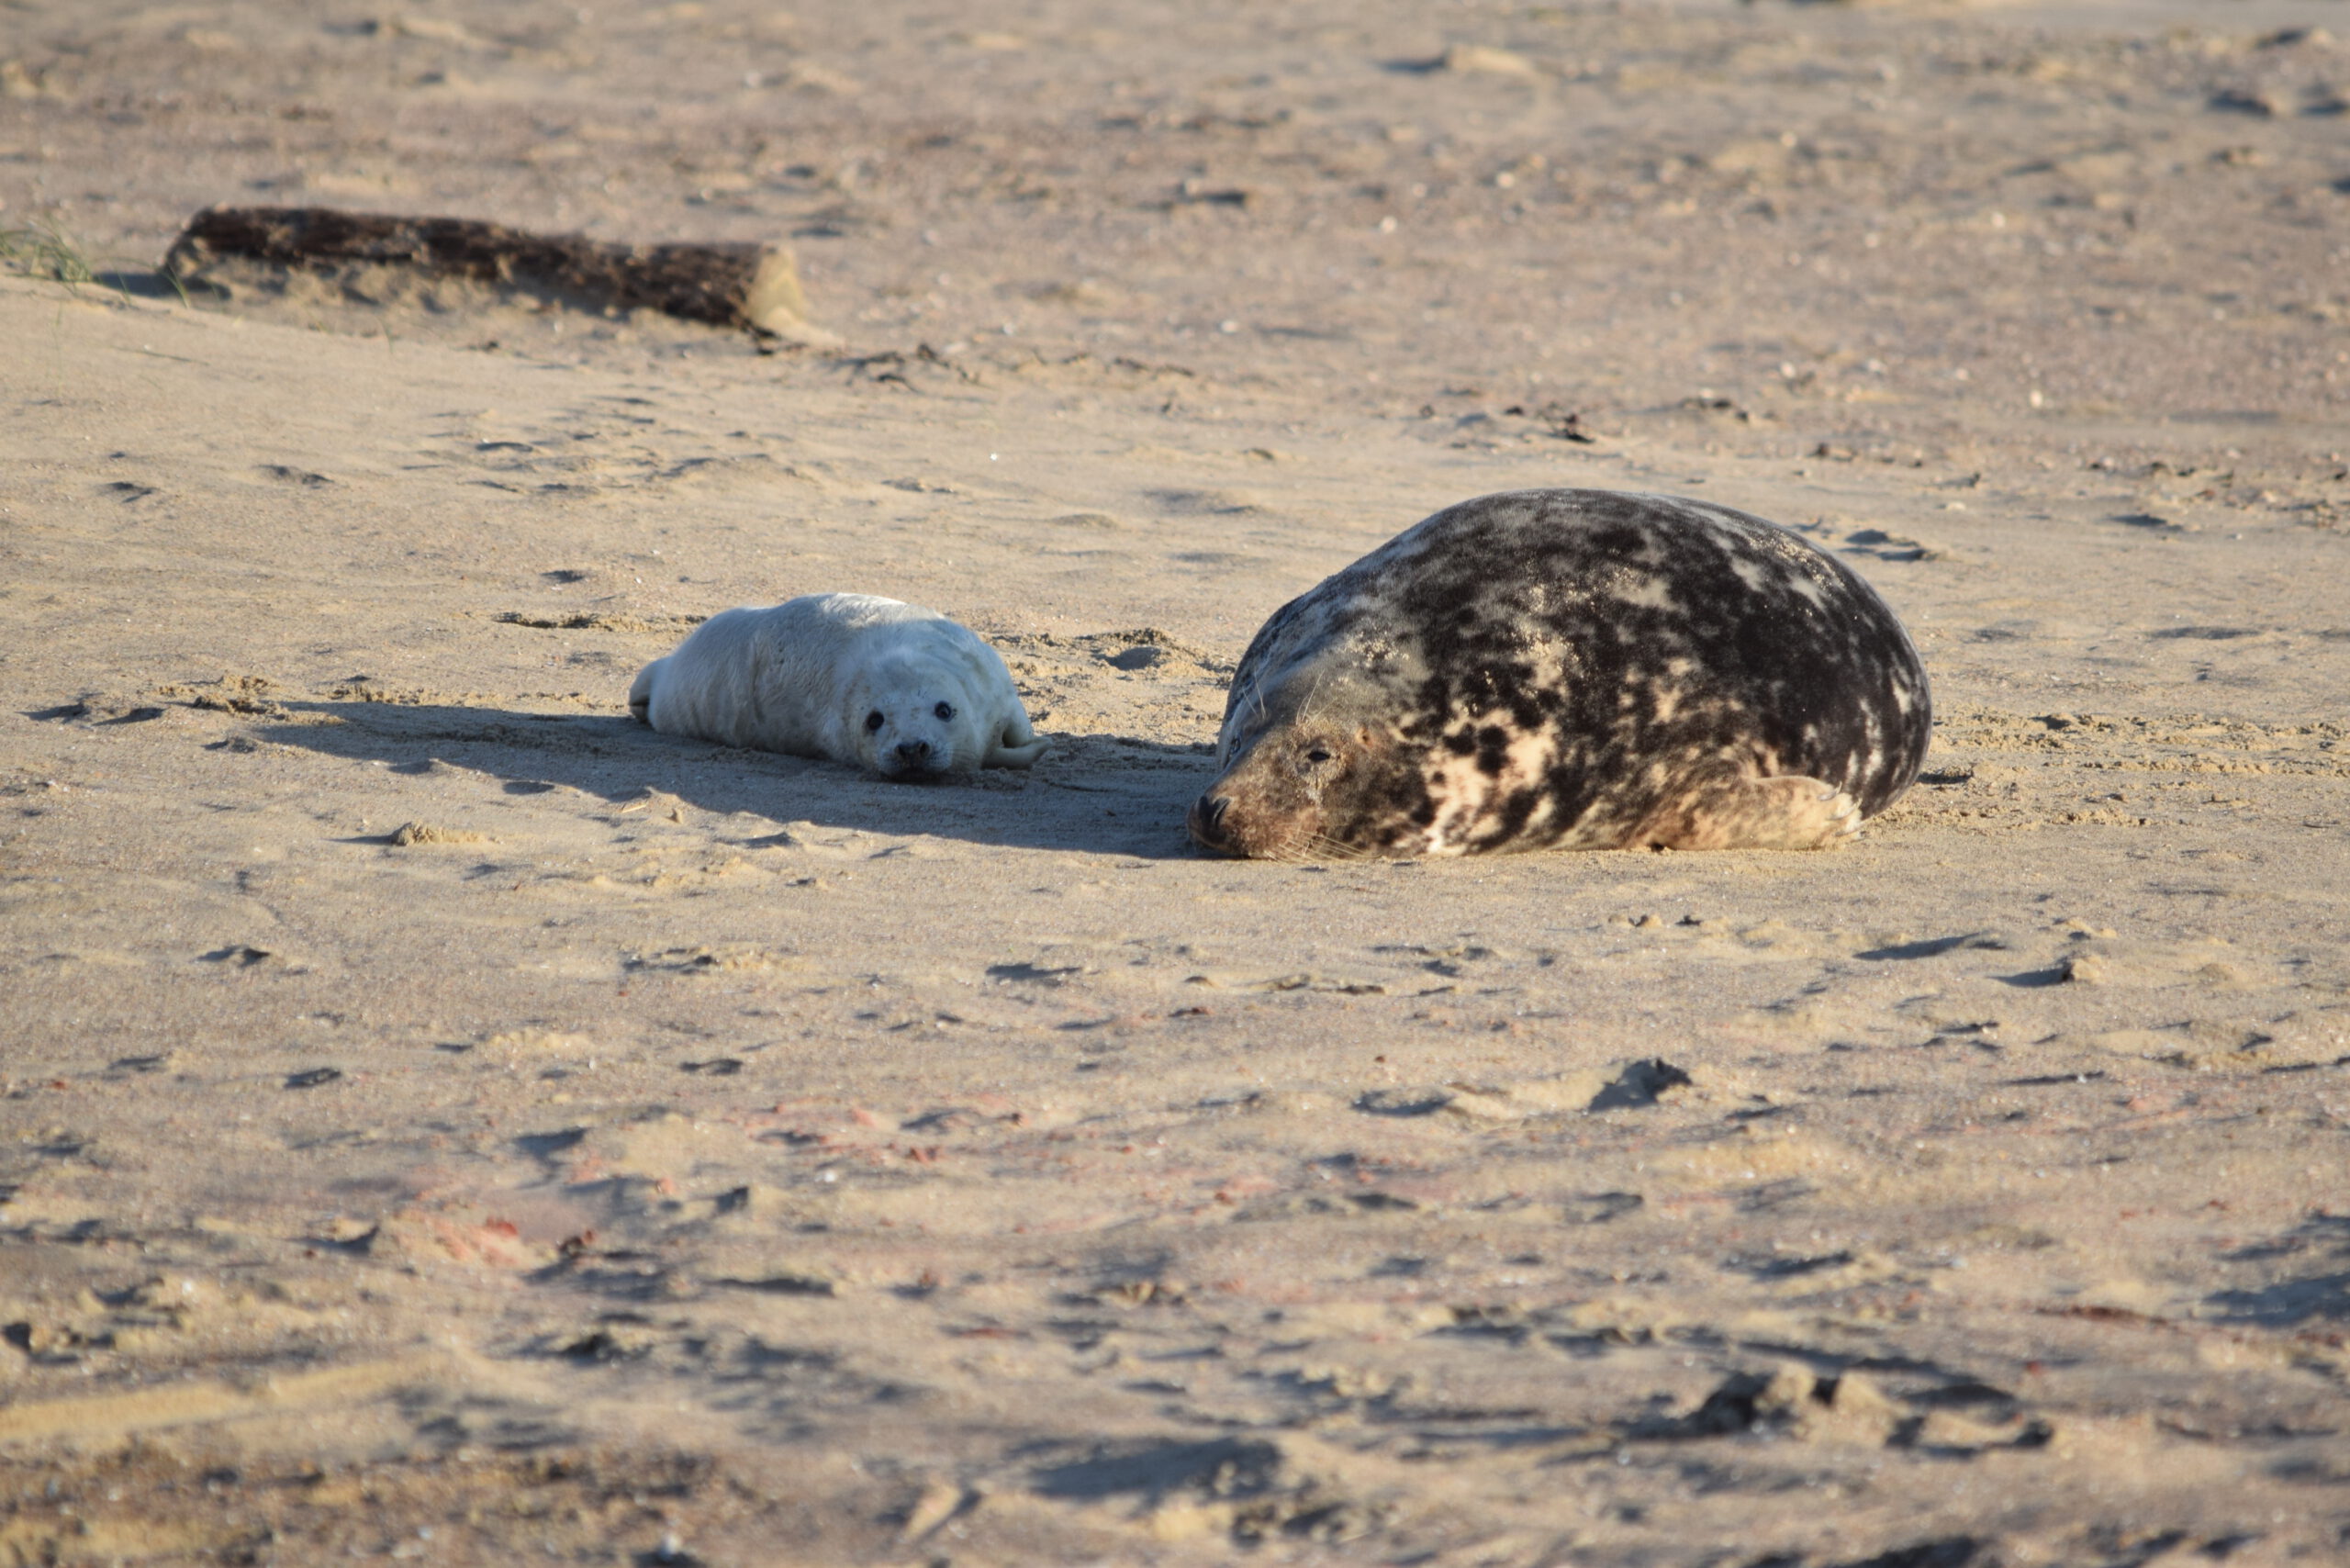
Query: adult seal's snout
[[1575, 669]]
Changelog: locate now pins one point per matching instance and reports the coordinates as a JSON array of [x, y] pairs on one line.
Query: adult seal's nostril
[[1207, 817]]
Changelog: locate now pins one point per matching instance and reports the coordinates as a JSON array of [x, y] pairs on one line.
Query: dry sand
[[447, 1122]]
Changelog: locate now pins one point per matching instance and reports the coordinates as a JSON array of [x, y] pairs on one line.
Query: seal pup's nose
[[913, 754], [1207, 819]]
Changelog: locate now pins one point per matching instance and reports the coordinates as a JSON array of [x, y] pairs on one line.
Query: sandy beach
[[445, 1121]]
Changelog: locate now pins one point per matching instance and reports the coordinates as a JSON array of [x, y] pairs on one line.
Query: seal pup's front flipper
[[1017, 745]]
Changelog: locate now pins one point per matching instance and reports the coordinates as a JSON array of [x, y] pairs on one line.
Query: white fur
[[805, 677]]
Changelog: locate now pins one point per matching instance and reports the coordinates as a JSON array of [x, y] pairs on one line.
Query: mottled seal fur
[[867, 681], [1570, 669]]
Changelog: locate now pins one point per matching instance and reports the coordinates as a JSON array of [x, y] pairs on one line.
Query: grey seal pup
[[1570, 669], [871, 682]]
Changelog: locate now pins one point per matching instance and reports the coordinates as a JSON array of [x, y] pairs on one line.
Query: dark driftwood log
[[735, 284]]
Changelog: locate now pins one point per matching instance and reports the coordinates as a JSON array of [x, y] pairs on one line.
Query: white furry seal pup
[[1573, 669], [868, 681]]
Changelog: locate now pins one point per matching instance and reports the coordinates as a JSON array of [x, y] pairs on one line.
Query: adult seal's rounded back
[[1573, 669]]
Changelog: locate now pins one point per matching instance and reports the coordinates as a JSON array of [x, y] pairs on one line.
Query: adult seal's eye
[[1318, 753], [873, 720], [944, 710]]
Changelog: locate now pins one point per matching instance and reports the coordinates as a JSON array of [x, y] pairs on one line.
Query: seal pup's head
[[913, 720]]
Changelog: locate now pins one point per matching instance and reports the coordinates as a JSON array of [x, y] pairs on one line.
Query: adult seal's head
[[1570, 669]]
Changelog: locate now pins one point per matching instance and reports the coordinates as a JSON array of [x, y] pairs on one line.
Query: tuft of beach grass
[[44, 250]]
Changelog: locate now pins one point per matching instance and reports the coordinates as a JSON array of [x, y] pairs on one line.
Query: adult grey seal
[[1573, 669], [871, 682]]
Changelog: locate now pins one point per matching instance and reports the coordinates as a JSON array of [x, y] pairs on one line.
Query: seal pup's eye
[[873, 720], [944, 710]]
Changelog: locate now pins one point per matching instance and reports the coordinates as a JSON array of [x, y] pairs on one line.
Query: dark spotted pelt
[[1570, 669]]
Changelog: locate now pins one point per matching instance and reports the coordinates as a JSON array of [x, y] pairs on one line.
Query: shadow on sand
[[1093, 794]]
